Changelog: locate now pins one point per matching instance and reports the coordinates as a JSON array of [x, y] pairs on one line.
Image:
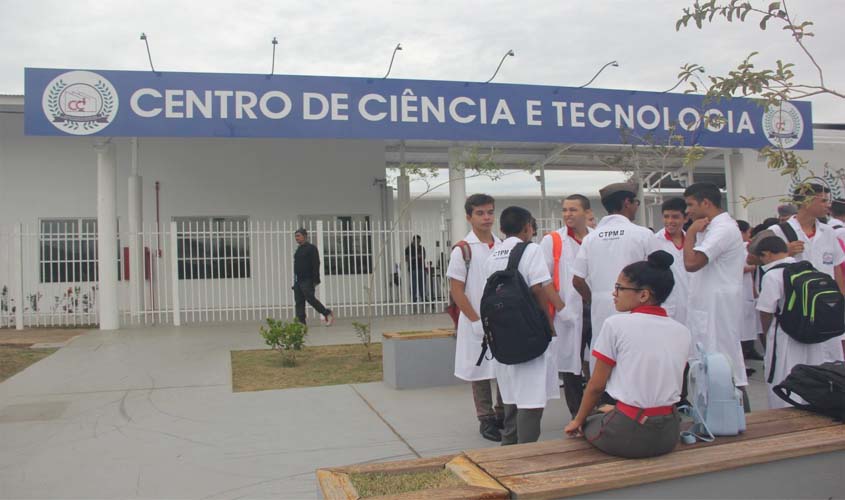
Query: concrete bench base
[[420, 359]]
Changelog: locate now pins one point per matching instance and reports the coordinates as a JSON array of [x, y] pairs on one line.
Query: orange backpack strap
[[557, 250], [466, 251]]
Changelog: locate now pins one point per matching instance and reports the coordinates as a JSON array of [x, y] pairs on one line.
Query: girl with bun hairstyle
[[640, 360]]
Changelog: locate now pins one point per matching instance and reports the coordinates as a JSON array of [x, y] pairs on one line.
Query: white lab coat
[[824, 253], [615, 243], [751, 326], [566, 346], [468, 342], [715, 308], [529, 384], [676, 303]]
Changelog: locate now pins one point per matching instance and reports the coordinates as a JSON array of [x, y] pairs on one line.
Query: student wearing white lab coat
[[771, 251], [572, 334], [526, 387], [751, 327], [818, 244], [641, 359], [615, 243], [670, 239], [466, 286], [715, 255]]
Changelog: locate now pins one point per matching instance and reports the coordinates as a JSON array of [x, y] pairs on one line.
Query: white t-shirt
[[568, 322], [615, 243], [676, 303], [529, 384], [715, 307], [790, 352], [648, 353], [468, 344], [824, 253]]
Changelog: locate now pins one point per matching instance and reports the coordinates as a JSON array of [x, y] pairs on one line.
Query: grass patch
[[378, 484], [14, 359], [263, 369]]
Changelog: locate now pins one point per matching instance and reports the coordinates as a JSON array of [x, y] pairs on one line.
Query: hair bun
[[661, 259]]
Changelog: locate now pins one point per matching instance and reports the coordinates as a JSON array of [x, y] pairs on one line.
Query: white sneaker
[[329, 319]]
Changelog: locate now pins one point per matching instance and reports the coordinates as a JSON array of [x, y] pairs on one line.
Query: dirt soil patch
[[30, 336], [379, 484], [259, 370], [14, 359]]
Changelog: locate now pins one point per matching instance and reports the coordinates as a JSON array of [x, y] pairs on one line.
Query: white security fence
[[220, 269]]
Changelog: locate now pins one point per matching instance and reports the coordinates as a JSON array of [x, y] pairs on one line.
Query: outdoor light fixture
[[611, 63], [398, 47], [149, 56], [273, 63], [508, 53]]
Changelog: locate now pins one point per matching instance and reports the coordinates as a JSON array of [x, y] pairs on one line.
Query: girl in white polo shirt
[[640, 359]]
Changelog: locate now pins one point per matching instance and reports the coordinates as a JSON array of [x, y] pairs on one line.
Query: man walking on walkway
[[306, 277]]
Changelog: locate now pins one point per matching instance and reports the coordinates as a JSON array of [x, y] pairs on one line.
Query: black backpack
[[814, 309], [822, 387], [516, 328]]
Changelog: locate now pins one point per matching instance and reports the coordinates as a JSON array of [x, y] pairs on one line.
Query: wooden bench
[[783, 453]]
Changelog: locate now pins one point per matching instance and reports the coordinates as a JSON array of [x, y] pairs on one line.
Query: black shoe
[[489, 430], [753, 355], [749, 372]]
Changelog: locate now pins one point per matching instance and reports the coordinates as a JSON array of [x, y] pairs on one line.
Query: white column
[[176, 303], [17, 286], [736, 184], [457, 195], [107, 234], [136, 253]]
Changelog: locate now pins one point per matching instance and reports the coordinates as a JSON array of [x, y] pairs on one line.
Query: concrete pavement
[[149, 413]]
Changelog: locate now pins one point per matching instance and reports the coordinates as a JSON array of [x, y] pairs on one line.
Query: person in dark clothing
[[306, 277], [415, 258]]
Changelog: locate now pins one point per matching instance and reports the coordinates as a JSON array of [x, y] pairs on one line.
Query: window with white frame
[[68, 250], [213, 247], [347, 244]]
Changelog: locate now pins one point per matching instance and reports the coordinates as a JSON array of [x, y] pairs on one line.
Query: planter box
[[413, 360]]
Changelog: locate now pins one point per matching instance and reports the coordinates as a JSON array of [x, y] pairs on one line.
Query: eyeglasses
[[617, 287]]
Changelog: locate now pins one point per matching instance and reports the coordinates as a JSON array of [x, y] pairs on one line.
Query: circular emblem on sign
[[783, 125], [80, 102]]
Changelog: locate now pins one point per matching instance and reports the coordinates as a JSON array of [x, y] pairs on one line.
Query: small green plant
[[362, 330], [285, 337]]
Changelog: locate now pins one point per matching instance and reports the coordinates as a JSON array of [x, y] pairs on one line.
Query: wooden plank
[[568, 459], [412, 465], [624, 473], [336, 485], [458, 493], [433, 334], [484, 455], [471, 474]]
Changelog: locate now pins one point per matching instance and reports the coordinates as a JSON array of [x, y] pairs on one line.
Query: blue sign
[[145, 104]]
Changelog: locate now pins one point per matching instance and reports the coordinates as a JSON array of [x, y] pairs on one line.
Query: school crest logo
[[80, 102], [783, 125]]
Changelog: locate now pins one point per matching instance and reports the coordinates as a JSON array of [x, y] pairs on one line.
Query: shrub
[[285, 337]]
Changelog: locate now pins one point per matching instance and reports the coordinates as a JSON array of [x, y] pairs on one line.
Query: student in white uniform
[[772, 251], [526, 387], [837, 218], [466, 286], [816, 243], [751, 327], [641, 359], [670, 239], [715, 255], [572, 332], [615, 243]]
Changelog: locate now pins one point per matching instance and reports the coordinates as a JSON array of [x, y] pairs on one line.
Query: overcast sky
[[556, 42]]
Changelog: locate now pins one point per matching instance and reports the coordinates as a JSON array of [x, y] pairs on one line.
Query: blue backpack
[[717, 408]]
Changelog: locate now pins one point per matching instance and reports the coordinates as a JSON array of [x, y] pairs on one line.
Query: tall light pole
[[611, 63], [508, 53]]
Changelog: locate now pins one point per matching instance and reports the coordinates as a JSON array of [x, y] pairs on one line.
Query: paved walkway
[[149, 413]]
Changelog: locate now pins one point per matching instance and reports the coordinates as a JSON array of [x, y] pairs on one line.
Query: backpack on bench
[[822, 387]]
